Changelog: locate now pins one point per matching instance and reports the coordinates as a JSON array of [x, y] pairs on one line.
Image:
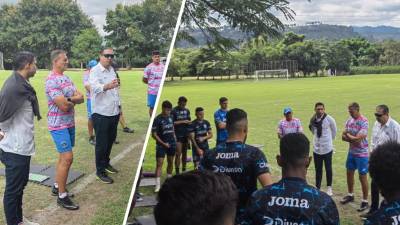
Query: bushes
[[375, 70]]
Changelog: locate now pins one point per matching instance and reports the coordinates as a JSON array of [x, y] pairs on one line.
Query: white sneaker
[[27, 222], [157, 189], [329, 191]]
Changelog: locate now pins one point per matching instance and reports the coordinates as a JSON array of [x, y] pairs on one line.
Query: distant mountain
[[319, 31]]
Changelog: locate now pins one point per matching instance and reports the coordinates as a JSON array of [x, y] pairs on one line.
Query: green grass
[[133, 95], [264, 101]]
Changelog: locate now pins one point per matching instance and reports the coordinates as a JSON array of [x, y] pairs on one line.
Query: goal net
[[280, 73]]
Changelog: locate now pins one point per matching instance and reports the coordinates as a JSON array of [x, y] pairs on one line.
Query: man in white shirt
[[385, 129], [18, 106], [105, 112], [323, 127]]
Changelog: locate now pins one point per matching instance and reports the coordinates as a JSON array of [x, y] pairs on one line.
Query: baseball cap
[[287, 110], [92, 63]]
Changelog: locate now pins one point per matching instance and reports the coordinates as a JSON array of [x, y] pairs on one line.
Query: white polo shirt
[[107, 102], [390, 131]]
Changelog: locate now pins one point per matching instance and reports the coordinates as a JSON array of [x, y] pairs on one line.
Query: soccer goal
[[281, 73]]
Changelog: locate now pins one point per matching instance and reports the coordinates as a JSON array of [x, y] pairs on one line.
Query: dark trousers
[[374, 196], [17, 175], [105, 128], [319, 160]]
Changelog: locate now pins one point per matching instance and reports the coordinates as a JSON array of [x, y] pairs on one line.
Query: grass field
[[100, 204], [264, 101]]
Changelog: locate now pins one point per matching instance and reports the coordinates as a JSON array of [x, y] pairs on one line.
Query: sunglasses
[[378, 115], [109, 56]]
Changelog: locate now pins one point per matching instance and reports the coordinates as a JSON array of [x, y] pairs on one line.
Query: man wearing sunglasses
[[105, 112], [385, 130]]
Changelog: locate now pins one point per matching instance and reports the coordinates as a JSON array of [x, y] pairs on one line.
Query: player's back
[[386, 215]]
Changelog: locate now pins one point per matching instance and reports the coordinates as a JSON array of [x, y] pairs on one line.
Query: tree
[[41, 26], [136, 30], [86, 46], [257, 17], [338, 58], [391, 53], [306, 54]]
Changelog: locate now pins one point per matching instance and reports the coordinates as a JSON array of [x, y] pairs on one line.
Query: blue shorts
[[64, 139], [357, 163], [161, 150], [89, 108], [151, 100]]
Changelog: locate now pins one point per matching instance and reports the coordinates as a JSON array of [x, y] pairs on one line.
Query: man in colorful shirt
[[200, 132], [62, 96], [152, 77], [384, 167], [356, 132], [163, 132], [181, 117], [86, 84], [291, 200], [289, 124], [245, 164], [220, 120]]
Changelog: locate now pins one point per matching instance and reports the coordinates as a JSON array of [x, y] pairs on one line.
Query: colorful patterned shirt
[[288, 127], [59, 85], [356, 127], [153, 73]]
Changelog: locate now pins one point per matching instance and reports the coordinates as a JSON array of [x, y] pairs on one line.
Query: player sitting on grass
[[197, 198], [291, 200], [200, 132], [163, 133]]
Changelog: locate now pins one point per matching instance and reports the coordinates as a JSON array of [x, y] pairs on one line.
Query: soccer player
[[385, 129], [200, 132], [91, 64], [62, 96], [291, 200], [289, 124], [164, 134], [220, 120], [181, 117], [356, 132], [206, 197], [323, 127], [245, 164], [152, 77], [384, 169]]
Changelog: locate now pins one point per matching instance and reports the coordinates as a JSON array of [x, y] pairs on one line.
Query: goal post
[[271, 74]]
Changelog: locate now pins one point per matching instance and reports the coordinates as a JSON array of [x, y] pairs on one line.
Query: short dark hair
[[21, 59], [105, 48], [222, 99], [202, 197], [182, 99], [384, 164], [294, 148], [155, 52], [355, 106], [319, 104], [199, 109], [167, 104], [233, 117], [385, 108], [55, 53]]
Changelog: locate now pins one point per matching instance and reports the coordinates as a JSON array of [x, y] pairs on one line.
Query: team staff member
[[18, 106], [181, 117], [292, 200], [152, 77], [323, 127], [62, 96], [289, 124], [245, 164], [163, 132], [200, 133], [105, 108], [220, 120], [356, 132]]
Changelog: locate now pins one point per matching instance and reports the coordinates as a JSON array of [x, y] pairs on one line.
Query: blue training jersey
[[164, 127], [386, 215], [220, 116]]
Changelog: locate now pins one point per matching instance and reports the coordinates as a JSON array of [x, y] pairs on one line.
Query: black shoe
[[363, 206], [346, 199], [54, 192], [103, 177], [110, 169], [368, 214], [67, 203], [128, 130], [92, 140]]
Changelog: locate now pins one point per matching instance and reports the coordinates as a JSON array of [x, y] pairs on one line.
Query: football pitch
[[99, 203], [264, 101]]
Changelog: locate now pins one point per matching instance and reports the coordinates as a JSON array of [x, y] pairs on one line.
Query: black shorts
[[161, 150], [182, 139]]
